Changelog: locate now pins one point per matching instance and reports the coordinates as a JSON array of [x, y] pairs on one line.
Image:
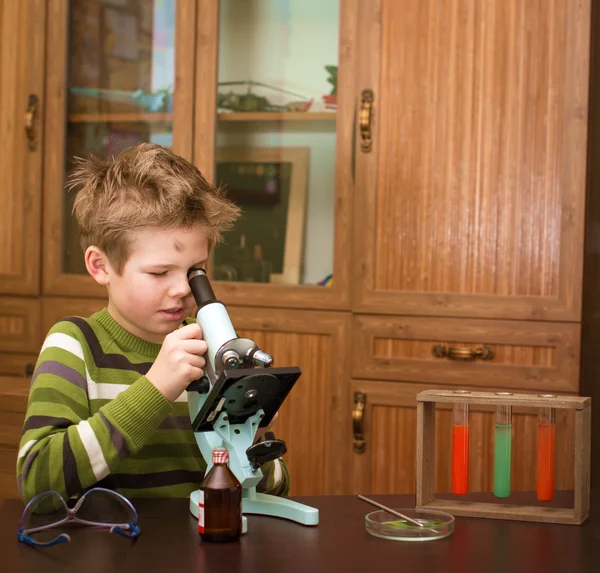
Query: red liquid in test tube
[[545, 461], [460, 449]]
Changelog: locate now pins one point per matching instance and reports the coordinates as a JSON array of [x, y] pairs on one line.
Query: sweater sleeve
[[65, 448]]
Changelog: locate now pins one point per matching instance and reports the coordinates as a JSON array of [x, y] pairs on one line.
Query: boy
[[107, 405]]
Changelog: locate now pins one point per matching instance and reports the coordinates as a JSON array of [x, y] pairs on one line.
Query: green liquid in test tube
[[502, 451]]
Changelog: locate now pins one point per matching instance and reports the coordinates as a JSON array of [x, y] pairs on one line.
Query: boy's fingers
[[194, 346], [189, 331]]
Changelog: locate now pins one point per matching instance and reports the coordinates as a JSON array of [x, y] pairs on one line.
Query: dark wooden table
[[340, 543]]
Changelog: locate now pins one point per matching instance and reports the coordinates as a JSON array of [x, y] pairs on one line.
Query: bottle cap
[[220, 456]]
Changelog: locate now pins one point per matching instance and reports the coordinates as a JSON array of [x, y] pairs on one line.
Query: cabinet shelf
[[150, 117], [278, 116], [117, 117]]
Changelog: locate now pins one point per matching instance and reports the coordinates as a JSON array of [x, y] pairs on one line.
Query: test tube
[[545, 460], [460, 449], [502, 451]]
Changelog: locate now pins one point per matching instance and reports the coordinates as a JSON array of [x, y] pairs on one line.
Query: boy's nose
[[180, 289]]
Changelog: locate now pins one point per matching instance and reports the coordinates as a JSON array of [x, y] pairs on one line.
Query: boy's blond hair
[[145, 186]]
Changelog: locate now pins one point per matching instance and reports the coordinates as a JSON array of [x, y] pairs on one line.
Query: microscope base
[[270, 505]]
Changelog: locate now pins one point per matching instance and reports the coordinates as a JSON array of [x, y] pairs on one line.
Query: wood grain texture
[[527, 355], [183, 97], [57, 308], [16, 364], [525, 400], [20, 324], [391, 430], [480, 176], [315, 418], [510, 512], [590, 335], [21, 69], [13, 402]]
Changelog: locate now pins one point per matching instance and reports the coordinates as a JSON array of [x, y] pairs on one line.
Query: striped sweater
[[93, 418]]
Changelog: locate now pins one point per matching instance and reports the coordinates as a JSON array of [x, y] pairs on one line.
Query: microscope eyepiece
[[200, 285]]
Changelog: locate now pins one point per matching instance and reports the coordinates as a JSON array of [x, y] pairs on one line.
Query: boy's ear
[[97, 265]]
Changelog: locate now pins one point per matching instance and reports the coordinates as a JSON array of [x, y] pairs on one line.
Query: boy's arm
[[65, 448]]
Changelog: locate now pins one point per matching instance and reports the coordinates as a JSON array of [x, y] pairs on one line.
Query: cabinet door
[[315, 417], [384, 457], [275, 94], [470, 197], [21, 105], [117, 74]]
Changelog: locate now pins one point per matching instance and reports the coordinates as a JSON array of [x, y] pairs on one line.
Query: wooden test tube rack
[[425, 498]]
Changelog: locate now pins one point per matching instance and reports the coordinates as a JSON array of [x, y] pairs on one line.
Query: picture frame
[[270, 186]]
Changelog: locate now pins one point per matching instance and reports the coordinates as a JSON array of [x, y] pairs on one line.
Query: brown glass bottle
[[220, 502]]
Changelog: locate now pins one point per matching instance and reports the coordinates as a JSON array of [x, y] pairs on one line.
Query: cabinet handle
[[32, 106], [462, 352], [364, 120], [360, 400]]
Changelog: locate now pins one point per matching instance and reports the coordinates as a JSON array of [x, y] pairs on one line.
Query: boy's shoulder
[[84, 332], [74, 326]]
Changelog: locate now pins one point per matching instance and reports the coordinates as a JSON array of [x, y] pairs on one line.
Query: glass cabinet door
[[111, 84], [282, 147]]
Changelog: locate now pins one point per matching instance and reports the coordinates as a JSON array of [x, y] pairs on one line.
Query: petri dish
[[438, 525]]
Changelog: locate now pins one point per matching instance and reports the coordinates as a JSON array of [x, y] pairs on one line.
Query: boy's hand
[[179, 361]]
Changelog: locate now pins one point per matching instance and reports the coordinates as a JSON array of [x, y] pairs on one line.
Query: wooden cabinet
[[471, 200], [538, 356], [21, 117], [441, 154], [471, 173], [289, 51], [13, 402], [315, 418], [102, 69]]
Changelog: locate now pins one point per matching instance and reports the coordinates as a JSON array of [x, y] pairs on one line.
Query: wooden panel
[[54, 280], [21, 68], [8, 473], [20, 325], [54, 309], [17, 364], [590, 335], [13, 403], [528, 355], [388, 464], [290, 296], [315, 418], [473, 196]]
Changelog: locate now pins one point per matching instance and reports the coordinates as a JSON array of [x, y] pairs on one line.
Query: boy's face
[[152, 296]]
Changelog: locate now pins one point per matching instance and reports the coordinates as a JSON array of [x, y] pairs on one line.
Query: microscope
[[239, 393]]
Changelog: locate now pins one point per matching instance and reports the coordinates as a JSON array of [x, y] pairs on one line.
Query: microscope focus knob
[[231, 359], [264, 452], [201, 386]]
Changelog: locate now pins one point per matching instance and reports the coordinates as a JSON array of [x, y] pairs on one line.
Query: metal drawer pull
[[32, 107], [364, 120], [359, 445], [462, 352]]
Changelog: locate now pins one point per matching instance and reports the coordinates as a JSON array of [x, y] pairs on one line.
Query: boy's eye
[[158, 274]]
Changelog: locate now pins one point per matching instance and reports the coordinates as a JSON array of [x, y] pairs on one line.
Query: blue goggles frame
[[129, 530]]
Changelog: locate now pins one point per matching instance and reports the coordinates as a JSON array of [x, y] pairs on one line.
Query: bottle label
[[201, 511]]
